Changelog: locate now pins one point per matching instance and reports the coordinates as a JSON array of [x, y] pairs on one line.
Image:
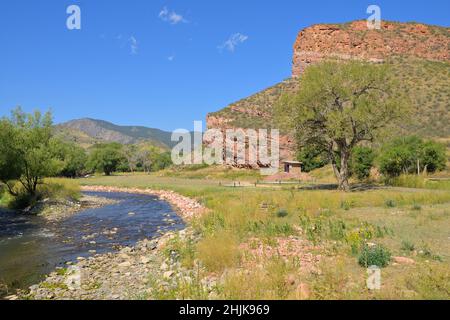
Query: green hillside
[[87, 132], [425, 83]]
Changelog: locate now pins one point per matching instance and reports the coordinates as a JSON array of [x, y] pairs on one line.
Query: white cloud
[[171, 16], [233, 42], [171, 58], [134, 46]]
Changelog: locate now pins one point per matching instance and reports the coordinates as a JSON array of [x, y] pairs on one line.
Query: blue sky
[[159, 63]]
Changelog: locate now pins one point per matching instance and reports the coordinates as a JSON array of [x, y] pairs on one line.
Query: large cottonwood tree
[[25, 150], [340, 105]]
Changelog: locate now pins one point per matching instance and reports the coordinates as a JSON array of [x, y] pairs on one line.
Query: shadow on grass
[[333, 187]]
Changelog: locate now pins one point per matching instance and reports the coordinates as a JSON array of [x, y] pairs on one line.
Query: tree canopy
[[410, 155], [25, 150], [106, 158], [340, 105]]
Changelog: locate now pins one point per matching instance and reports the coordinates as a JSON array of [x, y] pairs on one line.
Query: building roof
[[293, 162]]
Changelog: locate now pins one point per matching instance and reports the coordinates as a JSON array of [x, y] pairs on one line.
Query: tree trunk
[[10, 189], [344, 171]]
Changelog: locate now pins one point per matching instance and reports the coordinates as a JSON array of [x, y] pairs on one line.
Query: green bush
[[408, 246], [346, 205], [106, 158], [282, 213], [312, 158], [410, 154], [51, 188], [362, 162], [374, 256], [390, 203], [23, 200]]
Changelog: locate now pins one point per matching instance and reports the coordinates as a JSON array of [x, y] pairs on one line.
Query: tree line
[[30, 152]]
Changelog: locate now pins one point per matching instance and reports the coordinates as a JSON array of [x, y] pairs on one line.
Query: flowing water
[[31, 247]]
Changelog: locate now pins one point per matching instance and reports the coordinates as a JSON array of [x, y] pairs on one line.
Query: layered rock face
[[355, 41], [255, 112], [402, 41]]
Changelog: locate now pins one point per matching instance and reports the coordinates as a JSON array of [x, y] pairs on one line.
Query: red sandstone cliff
[[355, 41], [345, 41]]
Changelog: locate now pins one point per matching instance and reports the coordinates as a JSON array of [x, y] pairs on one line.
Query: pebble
[[145, 260], [125, 264]]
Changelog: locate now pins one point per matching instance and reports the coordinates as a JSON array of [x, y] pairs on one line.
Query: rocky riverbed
[[186, 207], [56, 210], [137, 272]]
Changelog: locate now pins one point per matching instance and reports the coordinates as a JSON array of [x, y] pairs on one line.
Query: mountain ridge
[[89, 131]]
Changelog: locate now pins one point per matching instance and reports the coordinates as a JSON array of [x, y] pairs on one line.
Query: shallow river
[[30, 247]]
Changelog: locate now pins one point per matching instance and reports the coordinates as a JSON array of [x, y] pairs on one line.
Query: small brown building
[[294, 167]]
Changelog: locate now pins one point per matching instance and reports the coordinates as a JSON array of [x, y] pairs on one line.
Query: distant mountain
[[87, 132]]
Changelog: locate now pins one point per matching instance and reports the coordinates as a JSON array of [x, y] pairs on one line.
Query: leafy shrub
[[336, 229], [106, 158], [374, 256], [408, 246], [312, 158], [346, 205], [52, 188], [282, 213], [5, 197], [23, 200], [185, 249], [390, 203], [407, 155], [362, 162]]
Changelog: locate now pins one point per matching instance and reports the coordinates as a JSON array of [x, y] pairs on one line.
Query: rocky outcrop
[[355, 41], [420, 55], [255, 112]]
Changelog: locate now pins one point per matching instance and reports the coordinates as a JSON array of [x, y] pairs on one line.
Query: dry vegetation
[[267, 243]]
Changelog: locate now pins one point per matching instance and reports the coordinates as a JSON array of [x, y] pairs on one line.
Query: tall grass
[[419, 182], [60, 189], [268, 282], [338, 222], [408, 181], [219, 251], [52, 188]]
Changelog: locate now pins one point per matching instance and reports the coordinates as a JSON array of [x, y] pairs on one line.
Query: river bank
[[56, 210], [134, 272], [186, 207]]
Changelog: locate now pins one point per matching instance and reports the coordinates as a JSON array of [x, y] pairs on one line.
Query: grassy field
[[285, 243]]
